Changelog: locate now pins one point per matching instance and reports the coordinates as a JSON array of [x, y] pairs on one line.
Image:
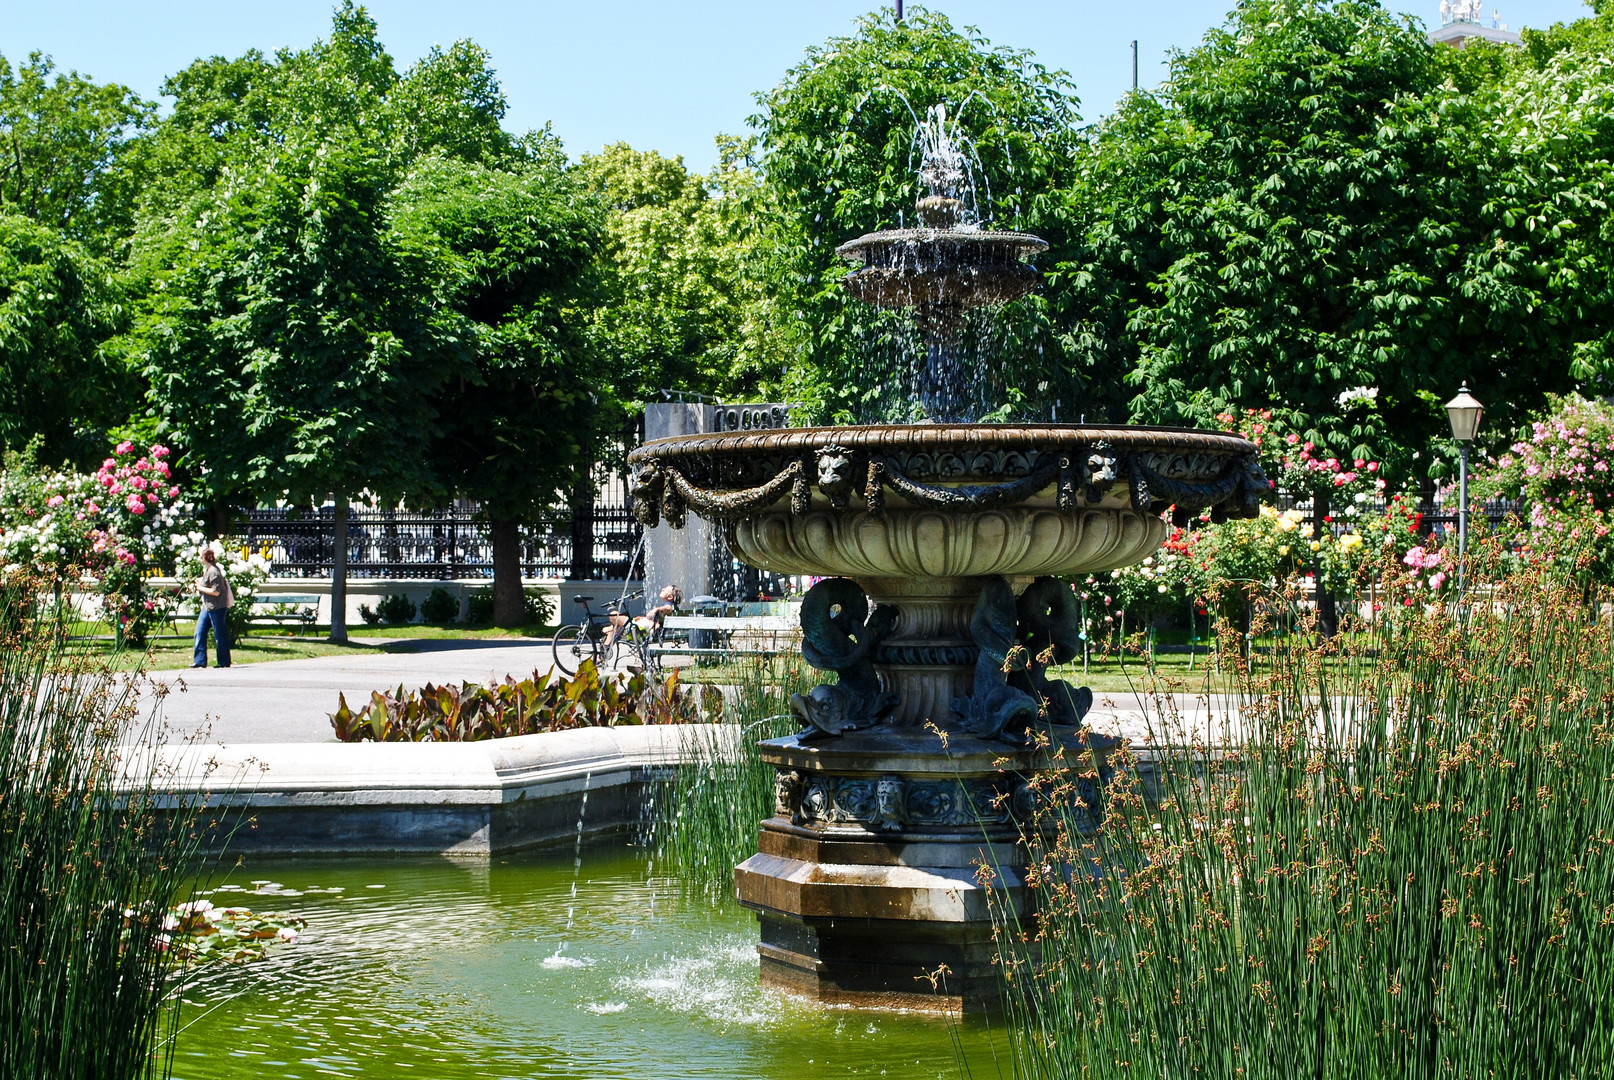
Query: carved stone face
[[834, 469], [889, 802]]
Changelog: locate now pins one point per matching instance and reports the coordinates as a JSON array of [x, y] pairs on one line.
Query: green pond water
[[538, 965]]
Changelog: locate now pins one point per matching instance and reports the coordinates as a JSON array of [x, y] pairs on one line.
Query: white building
[[1462, 22]]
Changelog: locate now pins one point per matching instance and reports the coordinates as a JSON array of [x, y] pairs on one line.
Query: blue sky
[[665, 76]]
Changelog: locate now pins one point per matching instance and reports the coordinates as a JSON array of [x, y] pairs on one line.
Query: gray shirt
[[213, 578]]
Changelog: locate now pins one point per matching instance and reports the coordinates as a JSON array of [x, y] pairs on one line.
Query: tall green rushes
[[1405, 868], [86, 873], [705, 817]]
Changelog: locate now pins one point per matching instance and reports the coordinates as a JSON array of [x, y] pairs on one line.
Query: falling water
[[577, 869], [942, 286]]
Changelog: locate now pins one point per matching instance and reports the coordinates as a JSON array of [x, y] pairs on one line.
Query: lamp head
[[1464, 412]]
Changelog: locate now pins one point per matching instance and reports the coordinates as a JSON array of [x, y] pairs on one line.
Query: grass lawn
[[1175, 672], [1108, 676], [170, 651]]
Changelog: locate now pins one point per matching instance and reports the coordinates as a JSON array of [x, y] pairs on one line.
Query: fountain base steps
[[877, 879]]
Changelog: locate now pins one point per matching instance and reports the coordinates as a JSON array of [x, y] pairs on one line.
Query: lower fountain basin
[[531, 965]]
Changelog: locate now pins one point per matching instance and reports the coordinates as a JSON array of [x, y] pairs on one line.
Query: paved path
[[291, 700]]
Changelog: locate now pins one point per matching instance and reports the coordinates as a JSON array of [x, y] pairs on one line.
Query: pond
[[539, 965]]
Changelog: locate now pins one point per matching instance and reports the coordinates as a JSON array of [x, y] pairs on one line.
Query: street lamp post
[[1464, 413]]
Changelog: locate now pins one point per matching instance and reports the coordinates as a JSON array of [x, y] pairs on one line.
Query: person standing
[[214, 589]]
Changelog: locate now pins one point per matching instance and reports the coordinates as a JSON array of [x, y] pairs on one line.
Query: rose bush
[[103, 530], [1295, 464], [1561, 470]]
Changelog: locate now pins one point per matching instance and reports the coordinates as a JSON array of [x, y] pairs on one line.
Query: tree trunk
[[218, 521], [583, 525], [339, 570], [509, 603], [1327, 612]]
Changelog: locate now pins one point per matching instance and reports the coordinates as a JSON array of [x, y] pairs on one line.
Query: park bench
[[304, 617], [724, 636]]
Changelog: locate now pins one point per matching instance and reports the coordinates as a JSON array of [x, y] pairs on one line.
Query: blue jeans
[[213, 617]]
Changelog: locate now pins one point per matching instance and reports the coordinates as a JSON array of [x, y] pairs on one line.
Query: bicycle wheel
[[635, 642], [572, 646]]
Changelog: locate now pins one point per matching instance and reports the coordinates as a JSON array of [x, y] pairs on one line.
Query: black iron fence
[[443, 544]]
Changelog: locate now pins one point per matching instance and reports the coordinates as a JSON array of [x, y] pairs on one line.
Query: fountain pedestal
[[868, 879]]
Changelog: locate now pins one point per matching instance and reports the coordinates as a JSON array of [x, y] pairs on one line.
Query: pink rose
[[110, 463], [139, 483], [135, 505], [1372, 466], [124, 447], [151, 496], [173, 492], [55, 500], [158, 450], [91, 508]]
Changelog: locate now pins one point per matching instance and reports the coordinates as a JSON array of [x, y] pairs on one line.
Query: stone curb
[[474, 798]]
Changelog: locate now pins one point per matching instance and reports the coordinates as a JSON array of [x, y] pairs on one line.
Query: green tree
[[672, 303], [63, 144], [1299, 223], [289, 344], [1319, 202], [510, 255], [837, 138], [1545, 261], [58, 305]]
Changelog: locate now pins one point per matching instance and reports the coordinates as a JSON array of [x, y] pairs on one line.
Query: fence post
[[583, 526]]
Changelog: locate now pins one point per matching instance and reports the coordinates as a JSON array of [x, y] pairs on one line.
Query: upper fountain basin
[[942, 500], [956, 266]]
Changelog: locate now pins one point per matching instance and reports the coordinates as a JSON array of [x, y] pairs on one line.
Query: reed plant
[[93, 850], [1398, 861], [704, 817]]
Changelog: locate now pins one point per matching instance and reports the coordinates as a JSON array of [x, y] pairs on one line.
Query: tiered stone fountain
[[944, 547]]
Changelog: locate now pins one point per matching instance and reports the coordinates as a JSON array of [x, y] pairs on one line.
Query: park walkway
[[291, 700]]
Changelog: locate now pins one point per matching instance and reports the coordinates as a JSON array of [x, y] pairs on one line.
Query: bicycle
[[576, 642]]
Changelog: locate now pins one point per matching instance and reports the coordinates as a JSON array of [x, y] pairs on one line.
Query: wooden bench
[[737, 635], [303, 618]]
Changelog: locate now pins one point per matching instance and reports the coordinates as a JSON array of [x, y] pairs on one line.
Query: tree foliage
[[63, 143], [672, 274], [509, 254], [1324, 215], [290, 344], [58, 385]]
